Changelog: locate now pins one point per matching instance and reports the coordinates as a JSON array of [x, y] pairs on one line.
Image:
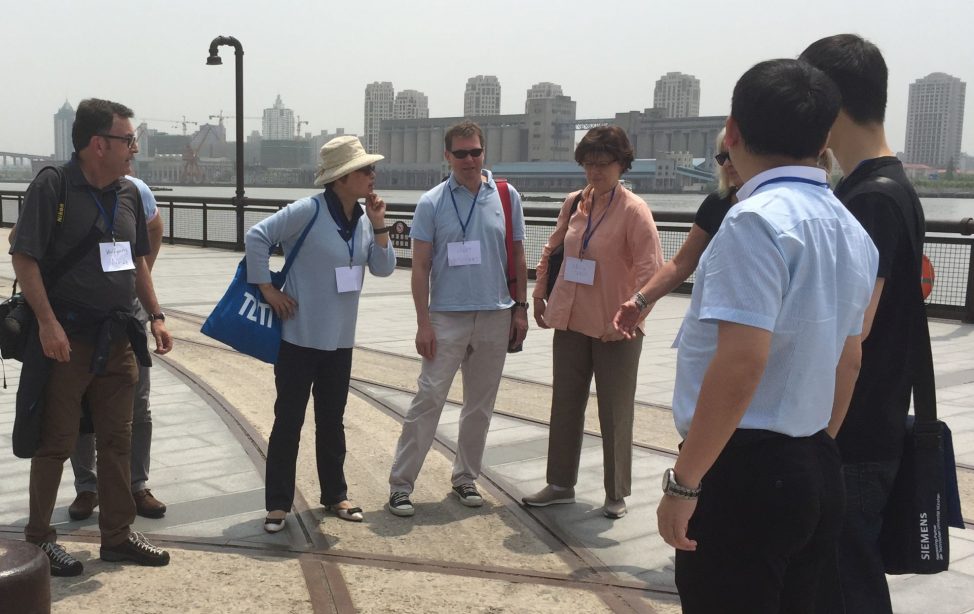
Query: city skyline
[[162, 73]]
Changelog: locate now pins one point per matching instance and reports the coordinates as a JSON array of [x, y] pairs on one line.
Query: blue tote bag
[[242, 319]]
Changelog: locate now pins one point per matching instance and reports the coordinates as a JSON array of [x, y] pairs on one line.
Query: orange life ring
[[927, 277]]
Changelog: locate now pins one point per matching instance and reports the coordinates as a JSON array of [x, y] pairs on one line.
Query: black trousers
[[766, 524], [299, 372]]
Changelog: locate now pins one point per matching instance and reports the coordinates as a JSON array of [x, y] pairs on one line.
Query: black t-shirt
[[712, 211], [875, 425], [39, 236]]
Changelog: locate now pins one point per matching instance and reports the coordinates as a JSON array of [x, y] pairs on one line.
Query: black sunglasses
[[129, 140], [460, 154], [722, 157], [367, 170]]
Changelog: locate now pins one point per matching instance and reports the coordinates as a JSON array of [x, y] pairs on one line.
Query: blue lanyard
[[110, 224], [349, 244], [589, 231], [791, 180], [473, 205]]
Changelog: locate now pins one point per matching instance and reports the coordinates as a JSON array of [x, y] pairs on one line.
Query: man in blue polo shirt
[[465, 314], [767, 361]]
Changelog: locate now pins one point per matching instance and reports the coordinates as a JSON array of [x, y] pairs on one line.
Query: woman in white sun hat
[[319, 306]]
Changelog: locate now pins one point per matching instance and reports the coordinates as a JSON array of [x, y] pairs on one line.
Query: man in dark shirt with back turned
[[87, 223], [871, 438]]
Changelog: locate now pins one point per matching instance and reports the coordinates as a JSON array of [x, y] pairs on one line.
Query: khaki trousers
[[476, 343], [576, 358], [111, 395]]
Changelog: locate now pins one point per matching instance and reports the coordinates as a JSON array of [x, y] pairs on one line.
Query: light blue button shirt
[[790, 259], [325, 318], [473, 287], [148, 198]]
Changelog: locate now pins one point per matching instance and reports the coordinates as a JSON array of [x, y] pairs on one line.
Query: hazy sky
[[150, 54]]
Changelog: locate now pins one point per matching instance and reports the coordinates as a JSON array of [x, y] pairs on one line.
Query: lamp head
[[214, 60]]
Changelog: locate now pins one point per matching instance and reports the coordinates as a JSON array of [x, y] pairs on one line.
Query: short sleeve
[[745, 274], [877, 214], [423, 228], [36, 221]]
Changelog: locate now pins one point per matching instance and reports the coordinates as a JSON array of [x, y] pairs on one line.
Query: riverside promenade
[[213, 411]]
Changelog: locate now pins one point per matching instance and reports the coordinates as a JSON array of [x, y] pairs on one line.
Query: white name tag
[[459, 254], [116, 256], [580, 271], [349, 279]]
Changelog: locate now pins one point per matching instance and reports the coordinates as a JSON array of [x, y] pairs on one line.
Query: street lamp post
[[215, 60]]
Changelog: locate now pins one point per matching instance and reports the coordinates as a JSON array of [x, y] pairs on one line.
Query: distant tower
[[678, 94], [63, 120], [482, 96], [545, 89], [411, 104], [278, 122], [379, 98], [935, 120]]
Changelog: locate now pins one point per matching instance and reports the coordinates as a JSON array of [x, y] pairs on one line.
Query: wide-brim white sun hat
[[341, 156]]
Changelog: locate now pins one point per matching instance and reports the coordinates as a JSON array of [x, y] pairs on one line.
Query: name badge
[[349, 279], [580, 271], [460, 254], [116, 256]]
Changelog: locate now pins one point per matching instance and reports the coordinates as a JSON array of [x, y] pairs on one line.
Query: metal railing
[[212, 222]]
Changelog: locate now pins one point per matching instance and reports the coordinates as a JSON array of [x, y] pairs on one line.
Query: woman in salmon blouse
[[611, 248]]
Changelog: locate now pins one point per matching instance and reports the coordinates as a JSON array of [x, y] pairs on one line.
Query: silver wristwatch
[[640, 300], [673, 489]]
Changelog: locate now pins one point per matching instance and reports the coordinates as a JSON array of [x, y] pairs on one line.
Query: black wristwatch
[[522, 304], [157, 316], [674, 489]]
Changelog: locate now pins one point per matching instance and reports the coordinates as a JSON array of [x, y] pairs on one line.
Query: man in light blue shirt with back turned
[[466, 316], [767, 361]]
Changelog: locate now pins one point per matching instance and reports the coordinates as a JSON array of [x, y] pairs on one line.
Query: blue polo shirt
[[149, 204], [792, 260], [475, 287]]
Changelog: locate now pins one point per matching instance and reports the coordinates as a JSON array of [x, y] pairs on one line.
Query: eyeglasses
[[130, 140], [460, 154], [597, 164], [367, 170], [722, 158]]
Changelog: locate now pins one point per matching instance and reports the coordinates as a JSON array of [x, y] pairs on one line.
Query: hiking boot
[[549, 495], [148, 506], [83, 505], [62, 563], [400, 505], [136, 550], [468, 495]]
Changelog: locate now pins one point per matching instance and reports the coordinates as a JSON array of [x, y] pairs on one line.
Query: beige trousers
[[476, 343]]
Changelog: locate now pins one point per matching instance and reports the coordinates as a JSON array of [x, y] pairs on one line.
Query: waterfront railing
[[212, 222]]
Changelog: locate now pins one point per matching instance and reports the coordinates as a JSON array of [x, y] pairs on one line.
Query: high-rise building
[[278, 122], [63, 120], [678, 94], [545, 89], [411, 104], [482, 96], [551, 128], [935, 120], [379, 99]]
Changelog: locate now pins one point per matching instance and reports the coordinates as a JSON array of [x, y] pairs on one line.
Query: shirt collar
[[345, 226], [803, 172], [454, 185], [77, 178]]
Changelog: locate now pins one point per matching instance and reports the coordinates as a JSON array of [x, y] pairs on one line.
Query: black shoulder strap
[[921, 356]]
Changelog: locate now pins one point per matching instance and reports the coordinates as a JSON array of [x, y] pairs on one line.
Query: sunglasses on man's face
[[460, 154], [722, 158], [367, 170]]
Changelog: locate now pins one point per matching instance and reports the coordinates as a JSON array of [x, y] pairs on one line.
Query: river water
[[940, 209]]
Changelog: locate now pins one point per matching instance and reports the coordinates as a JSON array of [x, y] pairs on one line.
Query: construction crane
[[222, 117], [192, 171], [175, 122], [297, 127]]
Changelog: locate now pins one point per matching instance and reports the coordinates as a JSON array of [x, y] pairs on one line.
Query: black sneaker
[[62, 563], [137, 550], [400, 505], [468, 495]]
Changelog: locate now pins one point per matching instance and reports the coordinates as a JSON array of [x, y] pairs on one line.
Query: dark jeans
[[298, 372], [765, 524], [861, 571]]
